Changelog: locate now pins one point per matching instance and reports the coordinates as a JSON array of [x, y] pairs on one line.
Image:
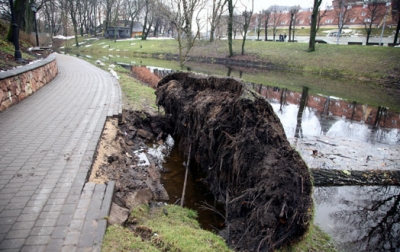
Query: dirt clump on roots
[[242, 151]]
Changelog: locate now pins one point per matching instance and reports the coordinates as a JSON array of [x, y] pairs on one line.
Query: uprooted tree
[[241, 149]]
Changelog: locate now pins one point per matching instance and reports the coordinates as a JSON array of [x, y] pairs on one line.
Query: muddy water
[[360, 218], [196, 193]]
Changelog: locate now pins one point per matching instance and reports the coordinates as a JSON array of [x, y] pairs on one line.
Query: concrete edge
[[29, 67], [107, 200]]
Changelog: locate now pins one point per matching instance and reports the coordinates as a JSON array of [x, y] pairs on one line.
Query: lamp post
[[34, 10], [17, 53]]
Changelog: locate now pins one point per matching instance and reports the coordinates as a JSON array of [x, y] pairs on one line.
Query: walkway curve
[[47, 143]]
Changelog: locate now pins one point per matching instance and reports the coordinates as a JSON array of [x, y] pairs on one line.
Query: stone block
[[118, 215]]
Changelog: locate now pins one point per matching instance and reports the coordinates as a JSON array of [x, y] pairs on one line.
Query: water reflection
[[360, 218]]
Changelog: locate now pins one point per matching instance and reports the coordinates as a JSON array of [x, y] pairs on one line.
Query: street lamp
[[34, 10]]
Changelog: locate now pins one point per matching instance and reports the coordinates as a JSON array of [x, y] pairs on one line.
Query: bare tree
[[133, 7], [276, 15], [52, 14], [108, 12], [187, 11], [375, 10], [320, 16], [343, 12], [258, 25], [293, 12], [218, 8], [230, 27], [247, 17], [267, 16], [313, 30], [148, 18], [396, 11], [72, 8]]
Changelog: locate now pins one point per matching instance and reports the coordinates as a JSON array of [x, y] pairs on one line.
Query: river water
[[345, 135]]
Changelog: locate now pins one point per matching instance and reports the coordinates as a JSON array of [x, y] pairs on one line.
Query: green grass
[[350, 72], [314, 240], [349, 61], [135, 95], [177, 231]]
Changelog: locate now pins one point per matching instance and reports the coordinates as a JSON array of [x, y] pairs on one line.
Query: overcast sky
[[264, 4]]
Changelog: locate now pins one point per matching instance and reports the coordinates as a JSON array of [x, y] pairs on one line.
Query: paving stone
[[28, 217], [23, 225], [46, 222], [11, 244], [76, 225], [64, 219], [86, 240], [55, 245], [72, 238], [40, 190], [32, 209], [100, 231], [5, 228], [10, 213], [68, 248], [37, 240], [42, 231], [34, 248], [7, 220], [18, 233], [60, 232], [84, 203]]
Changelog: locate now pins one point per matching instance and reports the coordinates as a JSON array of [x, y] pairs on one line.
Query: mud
[[122, 157], [241, 149]]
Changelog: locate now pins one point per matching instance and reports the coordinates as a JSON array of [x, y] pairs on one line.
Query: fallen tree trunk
[[330, 177], [241, 148]]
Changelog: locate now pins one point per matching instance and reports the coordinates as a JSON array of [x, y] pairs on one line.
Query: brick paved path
[[47, 143]]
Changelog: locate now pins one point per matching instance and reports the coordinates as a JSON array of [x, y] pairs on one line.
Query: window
[[363, 14], [353, 20], [349, 7], [367, 20], [365, 6], [301, 21], [329, 21]]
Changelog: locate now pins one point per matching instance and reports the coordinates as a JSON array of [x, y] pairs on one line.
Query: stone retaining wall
[[19, 83]]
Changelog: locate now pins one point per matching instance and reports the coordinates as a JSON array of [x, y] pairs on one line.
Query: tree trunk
[[368, 34], [144, 36], [397, 30], [313, 30], [212, 30], [331, 177], [230, 27], [266, 33]]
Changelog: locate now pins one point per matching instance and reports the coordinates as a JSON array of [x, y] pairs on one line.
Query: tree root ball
[[242, 150]]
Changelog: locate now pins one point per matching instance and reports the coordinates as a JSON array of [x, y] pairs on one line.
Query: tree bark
[[397, 28], [313, 30], [328, 177], [230, 27]]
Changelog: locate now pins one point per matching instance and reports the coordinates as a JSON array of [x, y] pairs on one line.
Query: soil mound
[[241, 148]]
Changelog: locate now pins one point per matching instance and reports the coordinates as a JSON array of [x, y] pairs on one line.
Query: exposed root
[[237, 140]]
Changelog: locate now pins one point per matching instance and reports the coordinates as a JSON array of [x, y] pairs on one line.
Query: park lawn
[[349, 61], [353, 73]]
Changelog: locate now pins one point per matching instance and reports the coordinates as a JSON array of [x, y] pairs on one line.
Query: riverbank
[[349, 72], [315, 239]]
